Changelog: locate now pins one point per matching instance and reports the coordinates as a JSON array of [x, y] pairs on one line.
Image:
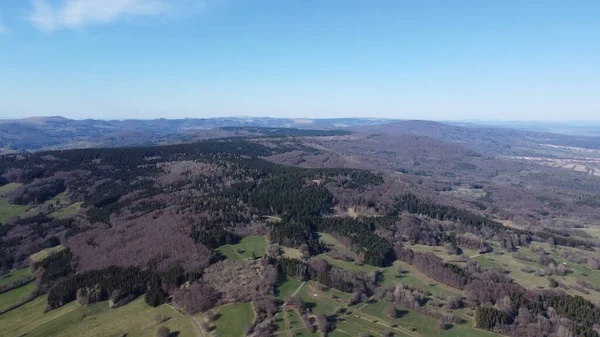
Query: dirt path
[[364, 305], [197, 325], [285, 318], [297, 290], [294, 294], [192, 319]]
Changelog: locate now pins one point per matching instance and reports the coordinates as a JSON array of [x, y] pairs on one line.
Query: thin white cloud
[[83, 13], [43, 16], [3, 28]]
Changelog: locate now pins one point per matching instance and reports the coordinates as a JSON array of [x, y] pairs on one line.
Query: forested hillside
[[265, 214]]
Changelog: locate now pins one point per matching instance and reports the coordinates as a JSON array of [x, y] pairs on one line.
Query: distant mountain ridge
[[48, 133], [484, 138], [57, 132]]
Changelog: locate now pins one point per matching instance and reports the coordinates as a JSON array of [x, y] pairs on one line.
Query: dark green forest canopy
[[101, 177], [46, 163]]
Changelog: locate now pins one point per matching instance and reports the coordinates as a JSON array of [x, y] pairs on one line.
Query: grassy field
[[248, 248], [409, 275], [320, 301], [516, 267], [505, 261], [137, 319], [67, 212], [488, 261], [413, 277], [286, 287], [295, 321], [441, 252], [233, 319], [30, 316], [593, 231], [7, 210], [280, 321], [332, 242], [469, 192], [420, 324], [134, 319], [59, 199], [580, 272], [44, 253], [370, 318], [15, 274], [9, 188], [14, 296], [289, 324], [292, 253]]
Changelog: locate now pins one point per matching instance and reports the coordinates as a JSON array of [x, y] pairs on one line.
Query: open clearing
[[134, 319], [59, 199], [332, 242], [14, 296], [14, 275], [475, 193], [30, 316], [441, 252], [290, 324], [398, 272], [292, 253], [287, 287], [233, 319], [370, 318], [516, 268], [248, 248], [44, 253], [295, 321], [7, 210], [9, 188], [67, 212]]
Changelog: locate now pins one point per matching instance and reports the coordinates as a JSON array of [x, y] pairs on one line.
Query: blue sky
[[114, 59]]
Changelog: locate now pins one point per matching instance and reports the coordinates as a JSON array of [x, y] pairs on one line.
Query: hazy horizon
[[458, 121]]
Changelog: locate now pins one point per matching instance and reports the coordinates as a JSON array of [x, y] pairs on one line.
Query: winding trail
[[197, 325], [192, 319]]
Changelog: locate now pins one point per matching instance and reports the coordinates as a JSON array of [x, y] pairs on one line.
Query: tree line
[[321, 271], [117, 283], [412, 204]]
